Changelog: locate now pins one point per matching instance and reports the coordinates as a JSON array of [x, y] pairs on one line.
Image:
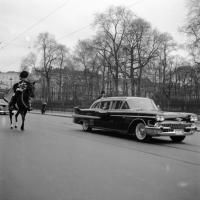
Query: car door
[[120, 115], [116, 114], [105, 121], [94, 111]]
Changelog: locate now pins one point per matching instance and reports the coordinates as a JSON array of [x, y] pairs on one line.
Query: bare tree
[[112, 24], [192, 28], [47, 45], [167, 46], [60, 61], [147, 45], [87, 57], [103, 50]]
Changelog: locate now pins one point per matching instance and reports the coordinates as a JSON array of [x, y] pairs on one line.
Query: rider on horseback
[[18, 89]]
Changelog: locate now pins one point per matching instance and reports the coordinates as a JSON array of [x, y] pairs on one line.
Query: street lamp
[[11, 82]]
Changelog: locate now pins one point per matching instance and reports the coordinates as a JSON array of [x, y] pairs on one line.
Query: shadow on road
[[131, 137]]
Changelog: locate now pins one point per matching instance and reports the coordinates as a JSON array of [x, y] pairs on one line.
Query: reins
[[22, 99]]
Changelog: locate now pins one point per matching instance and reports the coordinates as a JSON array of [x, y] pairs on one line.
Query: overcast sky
[[68, 20]]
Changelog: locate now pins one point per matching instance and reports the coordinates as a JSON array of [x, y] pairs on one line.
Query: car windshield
[[142, 104]]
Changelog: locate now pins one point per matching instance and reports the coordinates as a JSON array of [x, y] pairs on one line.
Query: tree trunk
[[48, 89], [139, 81]]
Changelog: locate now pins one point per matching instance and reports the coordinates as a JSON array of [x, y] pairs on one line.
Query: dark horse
[[21, 105]]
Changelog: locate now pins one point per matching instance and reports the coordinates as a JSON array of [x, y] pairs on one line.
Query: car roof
[[120, 98]]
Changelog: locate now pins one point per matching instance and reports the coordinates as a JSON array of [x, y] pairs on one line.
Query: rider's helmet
[[23, 74]]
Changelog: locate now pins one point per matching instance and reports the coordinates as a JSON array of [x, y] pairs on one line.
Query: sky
[[69, 21]]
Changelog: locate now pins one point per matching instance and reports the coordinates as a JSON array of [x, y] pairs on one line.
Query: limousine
[[137, 116]]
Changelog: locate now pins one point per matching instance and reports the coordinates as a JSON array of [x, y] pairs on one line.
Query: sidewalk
[[53, 113]]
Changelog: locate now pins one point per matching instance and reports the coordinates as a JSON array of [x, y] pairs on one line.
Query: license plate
[[179, 132]]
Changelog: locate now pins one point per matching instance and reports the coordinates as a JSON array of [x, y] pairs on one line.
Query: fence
[[179, 105]]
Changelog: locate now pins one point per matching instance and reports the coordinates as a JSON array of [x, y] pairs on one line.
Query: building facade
[[8, 79]]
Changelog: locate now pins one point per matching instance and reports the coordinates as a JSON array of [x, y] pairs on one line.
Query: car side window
[[125, 106], [116, 104], [102, 104], [105, 105], [113, 105]]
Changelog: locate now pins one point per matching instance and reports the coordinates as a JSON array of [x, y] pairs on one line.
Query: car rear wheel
[[177, 138], [140, 132], [86, 126]]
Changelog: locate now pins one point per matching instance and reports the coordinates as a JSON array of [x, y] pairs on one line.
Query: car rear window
[[96, 105]]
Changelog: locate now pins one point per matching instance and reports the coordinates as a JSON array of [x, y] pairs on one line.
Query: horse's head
[[29, 91]]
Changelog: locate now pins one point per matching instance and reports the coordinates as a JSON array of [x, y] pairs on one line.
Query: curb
[[53, 114]]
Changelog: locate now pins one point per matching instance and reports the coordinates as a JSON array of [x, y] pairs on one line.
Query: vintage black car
[[137, 116]]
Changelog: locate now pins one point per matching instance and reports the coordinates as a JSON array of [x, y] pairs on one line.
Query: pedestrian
[[43, 108]]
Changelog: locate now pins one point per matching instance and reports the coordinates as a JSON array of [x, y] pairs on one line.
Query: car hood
[[169, 115]]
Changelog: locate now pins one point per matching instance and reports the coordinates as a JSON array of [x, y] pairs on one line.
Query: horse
[[22, 100]]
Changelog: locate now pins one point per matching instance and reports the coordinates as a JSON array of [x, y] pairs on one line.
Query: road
[[53, 159]]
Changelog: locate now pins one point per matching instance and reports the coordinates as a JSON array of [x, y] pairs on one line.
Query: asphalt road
[[53, 159]]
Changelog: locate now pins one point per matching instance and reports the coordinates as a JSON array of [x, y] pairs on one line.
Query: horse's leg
[[16, 116], [10, 115], [22, 126], [23, 114]]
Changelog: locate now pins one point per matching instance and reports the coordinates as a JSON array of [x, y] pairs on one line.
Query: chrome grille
[[177, 125]]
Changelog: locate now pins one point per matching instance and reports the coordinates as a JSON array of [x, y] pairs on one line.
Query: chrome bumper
[[162, 131]]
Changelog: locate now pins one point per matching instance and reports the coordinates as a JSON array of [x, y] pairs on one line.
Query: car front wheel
[[140, 132], [86, 126], [177, 138]]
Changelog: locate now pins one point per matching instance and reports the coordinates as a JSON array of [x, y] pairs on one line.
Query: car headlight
[[193, 118], [160, 118]]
